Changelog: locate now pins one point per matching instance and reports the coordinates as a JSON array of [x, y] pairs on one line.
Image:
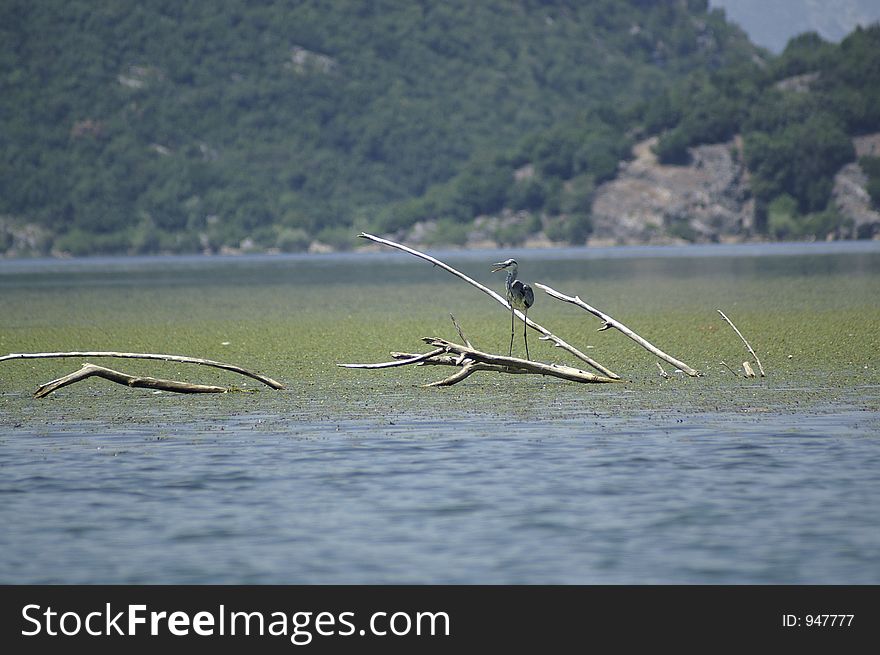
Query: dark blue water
[[448, 500], [272, 493]]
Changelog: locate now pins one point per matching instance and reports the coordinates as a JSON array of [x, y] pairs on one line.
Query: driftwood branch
[[462, 373], [612, 323], [739, 334], [465, 365], [546, 334], [411, 359], [450, 360], [168, 358], [520, 365], [470, 360], [91, 370]]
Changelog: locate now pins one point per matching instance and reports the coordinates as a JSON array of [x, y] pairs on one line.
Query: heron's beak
[[498, 267]]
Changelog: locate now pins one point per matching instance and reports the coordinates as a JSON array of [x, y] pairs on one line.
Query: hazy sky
[[771, 23]]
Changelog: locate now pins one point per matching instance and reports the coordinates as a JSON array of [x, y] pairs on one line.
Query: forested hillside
[[797, 116], [187, 126]]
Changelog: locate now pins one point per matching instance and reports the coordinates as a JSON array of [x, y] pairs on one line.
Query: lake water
[[366, 477]]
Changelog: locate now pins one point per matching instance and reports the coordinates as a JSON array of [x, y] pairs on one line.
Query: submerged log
[[167, 358], [92, 370]]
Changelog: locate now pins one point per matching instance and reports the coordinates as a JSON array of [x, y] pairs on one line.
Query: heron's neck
[[511, 276]]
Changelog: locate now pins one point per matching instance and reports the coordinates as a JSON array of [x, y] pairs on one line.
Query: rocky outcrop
[[23, 239], [648, 202], [851, 196]]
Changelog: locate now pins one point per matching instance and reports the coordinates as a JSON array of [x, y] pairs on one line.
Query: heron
[[519, 295]]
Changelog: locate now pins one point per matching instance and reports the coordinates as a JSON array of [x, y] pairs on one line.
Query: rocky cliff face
[[705, 201], [709, 200], [23, 239], [851, 197]]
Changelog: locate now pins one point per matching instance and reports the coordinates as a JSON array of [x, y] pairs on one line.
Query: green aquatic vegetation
[[815, 326]]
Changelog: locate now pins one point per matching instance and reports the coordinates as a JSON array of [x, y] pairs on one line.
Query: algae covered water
[[351, 476]]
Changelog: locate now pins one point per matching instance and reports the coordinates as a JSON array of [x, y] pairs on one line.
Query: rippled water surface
[[366, 477]]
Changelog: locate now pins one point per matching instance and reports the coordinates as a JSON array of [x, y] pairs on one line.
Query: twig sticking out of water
[[611, 323], [460, 332], [467, 342], [547, 335], [739, 334], [90, 370], [167, 358]]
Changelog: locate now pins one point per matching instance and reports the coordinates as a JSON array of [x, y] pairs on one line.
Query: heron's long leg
[[525, 330], [510, 350]]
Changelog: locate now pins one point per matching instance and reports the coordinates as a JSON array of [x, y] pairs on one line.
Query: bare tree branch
[[460, 332], [168, 358], [464, 372], [90, 370], [739, 334], [611, 323], [523, 365], [413, 359]]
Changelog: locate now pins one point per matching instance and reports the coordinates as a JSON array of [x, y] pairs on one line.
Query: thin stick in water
[[739, 334]]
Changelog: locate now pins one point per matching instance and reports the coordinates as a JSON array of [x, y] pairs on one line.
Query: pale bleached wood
[[167, 358], [739, 334], [538, 368], [612, 323], [470, 360], [92, 370], [465, 371], [450, 360], [546, 334], [412, 359]]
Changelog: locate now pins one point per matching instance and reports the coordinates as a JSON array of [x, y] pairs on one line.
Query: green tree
[[800, 160]]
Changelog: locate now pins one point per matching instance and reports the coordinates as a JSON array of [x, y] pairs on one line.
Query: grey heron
[[519, 295]]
